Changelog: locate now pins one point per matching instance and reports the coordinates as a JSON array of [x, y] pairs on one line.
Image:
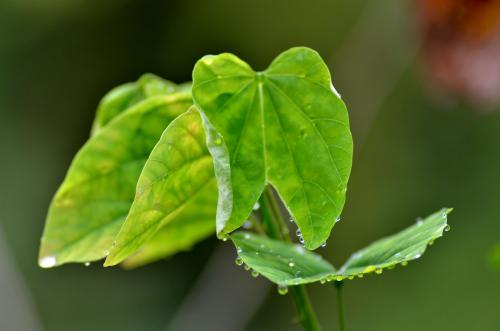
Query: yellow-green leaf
[[94, 199], [177, 180], [125, 96]]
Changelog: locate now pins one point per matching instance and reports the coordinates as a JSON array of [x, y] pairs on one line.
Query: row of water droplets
[[50, 261]]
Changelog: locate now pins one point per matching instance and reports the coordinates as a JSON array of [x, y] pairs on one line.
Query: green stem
[[277, 229], [340, 304]]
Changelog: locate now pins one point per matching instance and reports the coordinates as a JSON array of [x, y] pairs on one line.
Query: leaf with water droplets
[[285, 126], [94, 199], [282, 263], [176, 193], [126, 95], [400, 248]]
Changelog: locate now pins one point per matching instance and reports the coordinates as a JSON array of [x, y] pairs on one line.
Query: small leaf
[[125, 96], [289, 264], [400, 248], [285, 126], [282, 263], [178, 177], [94, 199]]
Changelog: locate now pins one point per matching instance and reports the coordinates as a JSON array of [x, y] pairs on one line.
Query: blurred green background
[[415, 152]]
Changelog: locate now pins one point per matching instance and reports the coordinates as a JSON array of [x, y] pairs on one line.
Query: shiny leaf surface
[[282, 263], [285, 126]]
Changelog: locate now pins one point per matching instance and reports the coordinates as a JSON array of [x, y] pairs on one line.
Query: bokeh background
[[422, 83]]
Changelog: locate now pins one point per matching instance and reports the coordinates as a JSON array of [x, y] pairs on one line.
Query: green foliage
[[92, 202], [282, 263], [125, 96], [289, 264], [400, 248], [285, 126], [160, 174], [176, 191]]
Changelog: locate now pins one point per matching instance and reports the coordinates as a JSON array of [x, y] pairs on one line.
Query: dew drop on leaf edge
[[48, 261], [282, 289]]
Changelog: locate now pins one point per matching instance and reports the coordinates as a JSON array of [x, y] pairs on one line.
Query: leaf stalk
[[276, 228]]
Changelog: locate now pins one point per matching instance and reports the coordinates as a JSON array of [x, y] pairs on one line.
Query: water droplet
[[224, 239], [378, 271], [282, 289], [255, 274], [298, 233], [239, 250], [329, 278], [322, 280], [47, 261], [291, 220], [86, 264], [360, 275], [323, 245], [404, 263], [417, 256], [247, 224], [447, 228], [338, 219], [106, 253], [238, 261], [338, 278], [351, 277], [256, 206], [291, 264], [246, 267], [431, 243], [247, 236], [301, 240], [419, 221]]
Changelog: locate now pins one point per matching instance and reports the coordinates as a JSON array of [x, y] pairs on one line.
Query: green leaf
[[177, 178], [282, 263], [125, 96], [400, 248], [289, 264], [94, 199], [190, 226], [285, 126]]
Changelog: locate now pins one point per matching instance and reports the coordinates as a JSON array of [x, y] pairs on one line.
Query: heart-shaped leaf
[[94, 199], [125, 96], [178, 180], [282, 263], [285, 126], [289, 264]]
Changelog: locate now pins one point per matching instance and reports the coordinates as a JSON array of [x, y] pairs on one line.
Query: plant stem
[[340, 304], [276, 228]]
